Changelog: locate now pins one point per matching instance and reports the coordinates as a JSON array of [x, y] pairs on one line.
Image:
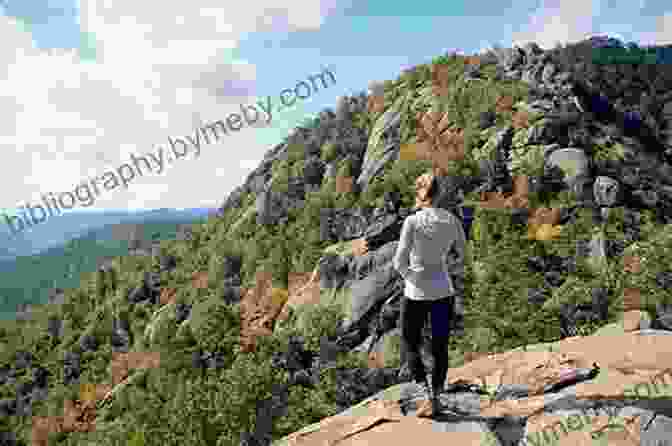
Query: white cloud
[[159, 71], [568, 21], [662, 33], [249, 164], [562, 21]]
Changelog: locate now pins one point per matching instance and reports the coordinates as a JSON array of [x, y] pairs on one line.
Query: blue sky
[[93, 82]]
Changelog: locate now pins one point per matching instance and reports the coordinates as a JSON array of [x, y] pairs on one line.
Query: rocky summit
[[276, 322]]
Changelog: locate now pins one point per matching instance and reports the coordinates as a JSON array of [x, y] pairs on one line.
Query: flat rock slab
[[631, 390]]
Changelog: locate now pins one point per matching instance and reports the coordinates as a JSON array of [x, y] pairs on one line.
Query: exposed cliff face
[[610, 151]]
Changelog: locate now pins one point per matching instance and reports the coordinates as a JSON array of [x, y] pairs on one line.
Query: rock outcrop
[[575, 391]]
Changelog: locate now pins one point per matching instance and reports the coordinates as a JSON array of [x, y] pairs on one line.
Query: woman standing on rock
[[430, 257]]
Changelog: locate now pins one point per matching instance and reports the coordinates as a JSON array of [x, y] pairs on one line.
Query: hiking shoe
[[436, 400], [412, 390], [428, 392], [431, 405], [436, 405]]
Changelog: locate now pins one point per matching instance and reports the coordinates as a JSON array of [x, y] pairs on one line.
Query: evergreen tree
[[279, 262], [113, 282], [101, 284]]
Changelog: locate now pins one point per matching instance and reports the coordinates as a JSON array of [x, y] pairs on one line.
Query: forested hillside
[[27, 280]]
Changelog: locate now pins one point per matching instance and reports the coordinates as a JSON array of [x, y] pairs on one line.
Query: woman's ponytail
[[427, 188]]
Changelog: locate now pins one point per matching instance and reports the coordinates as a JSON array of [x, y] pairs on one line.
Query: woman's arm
[[401, 257], [455, 266], [459, 246]]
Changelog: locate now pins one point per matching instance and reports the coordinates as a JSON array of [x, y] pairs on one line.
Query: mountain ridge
[[33, 241], [108, 240]]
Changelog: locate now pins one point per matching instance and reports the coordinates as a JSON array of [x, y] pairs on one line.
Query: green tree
[[137, 439], [113, 279], [101, 284], [320, 322], [329, 152], [279, 262], [216, 325]]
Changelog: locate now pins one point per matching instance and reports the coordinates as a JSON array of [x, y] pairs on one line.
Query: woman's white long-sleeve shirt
[[431, 251]]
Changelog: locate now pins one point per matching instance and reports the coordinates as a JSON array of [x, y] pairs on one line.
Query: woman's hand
[[458, 323], [459, 307]]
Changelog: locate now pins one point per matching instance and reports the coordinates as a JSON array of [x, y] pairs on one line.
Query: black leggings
[[413, 317]]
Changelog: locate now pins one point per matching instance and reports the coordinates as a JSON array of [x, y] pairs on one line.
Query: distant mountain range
[[43, 259], [59, 230]]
